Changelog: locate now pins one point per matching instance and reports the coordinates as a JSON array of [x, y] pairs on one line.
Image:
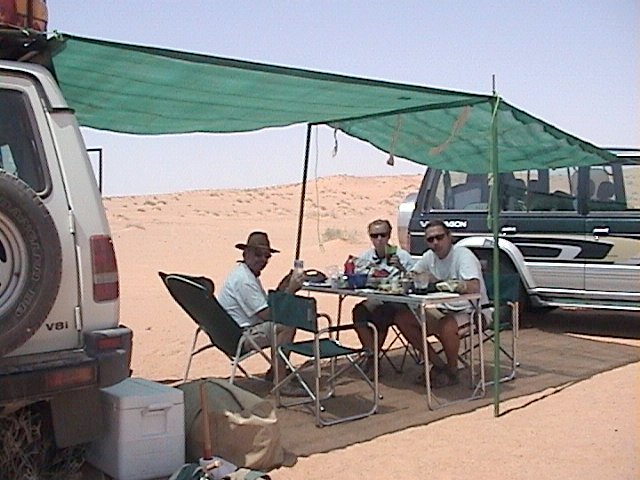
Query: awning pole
[[303, 191], [495, 228]]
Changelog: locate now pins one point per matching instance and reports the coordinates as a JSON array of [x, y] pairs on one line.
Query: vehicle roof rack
[[28, 45], [21, 44], [626, 154]]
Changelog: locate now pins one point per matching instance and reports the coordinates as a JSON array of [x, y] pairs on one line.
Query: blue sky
[[573, 63]]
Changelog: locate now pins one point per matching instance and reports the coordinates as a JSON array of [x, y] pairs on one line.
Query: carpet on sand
[[548, 359]]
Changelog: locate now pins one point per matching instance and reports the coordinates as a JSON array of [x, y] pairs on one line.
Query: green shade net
[[143, 90]]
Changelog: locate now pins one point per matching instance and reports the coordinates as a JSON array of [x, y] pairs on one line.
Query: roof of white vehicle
[[43, 76]]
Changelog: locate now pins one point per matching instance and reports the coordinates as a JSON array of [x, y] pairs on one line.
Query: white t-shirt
[[459, 264], [243, 296]]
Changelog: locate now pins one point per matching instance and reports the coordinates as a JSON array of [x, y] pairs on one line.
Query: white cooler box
[[144, 431]]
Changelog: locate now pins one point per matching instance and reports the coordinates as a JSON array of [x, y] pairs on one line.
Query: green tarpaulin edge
[[149, 91]]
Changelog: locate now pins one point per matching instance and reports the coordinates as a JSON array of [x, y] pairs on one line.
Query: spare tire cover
[[30, 262]]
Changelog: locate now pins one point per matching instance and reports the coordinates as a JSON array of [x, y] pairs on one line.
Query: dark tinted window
[[614, 187], [521, 191], [19, 148]]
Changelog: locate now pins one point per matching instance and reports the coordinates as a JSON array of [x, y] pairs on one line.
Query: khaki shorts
[[434, 315], [262, 333]]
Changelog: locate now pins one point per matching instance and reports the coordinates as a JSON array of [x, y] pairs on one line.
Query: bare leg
[[361, 315], [383, 317], [283, 335], [448, 336], [410, 328], [365, 336]]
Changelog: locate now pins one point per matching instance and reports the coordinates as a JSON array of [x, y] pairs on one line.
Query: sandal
[[433, 373], [444, 379]]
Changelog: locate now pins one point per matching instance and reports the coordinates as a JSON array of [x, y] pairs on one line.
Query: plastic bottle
[[349, 266], [390, 251]]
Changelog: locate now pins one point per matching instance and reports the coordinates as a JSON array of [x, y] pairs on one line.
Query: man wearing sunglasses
[[380, 314], [444, 261], [245, 299]]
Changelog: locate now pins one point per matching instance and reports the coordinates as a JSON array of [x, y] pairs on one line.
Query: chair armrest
[[337, 328], [326, 317]]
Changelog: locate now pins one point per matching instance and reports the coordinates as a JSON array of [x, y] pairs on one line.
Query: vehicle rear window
[[19, 147]]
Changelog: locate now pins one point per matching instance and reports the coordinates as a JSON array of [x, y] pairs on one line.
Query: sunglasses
[[379, 235], [438, 237]]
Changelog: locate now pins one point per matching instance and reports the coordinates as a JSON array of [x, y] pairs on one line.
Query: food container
[[357, 280], [407, 285]]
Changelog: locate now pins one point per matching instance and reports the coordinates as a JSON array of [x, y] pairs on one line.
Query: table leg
[[422, 319], [477, 325], [480, 348]]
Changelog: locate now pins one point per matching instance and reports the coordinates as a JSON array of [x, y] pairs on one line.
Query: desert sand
[[586, 430]]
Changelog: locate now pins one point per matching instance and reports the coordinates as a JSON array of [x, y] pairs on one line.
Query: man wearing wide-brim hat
[[245, 299]]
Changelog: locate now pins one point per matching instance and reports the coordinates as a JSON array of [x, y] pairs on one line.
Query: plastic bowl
[[357, 280]]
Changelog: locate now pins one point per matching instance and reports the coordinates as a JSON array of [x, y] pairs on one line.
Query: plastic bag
[[243, 426]]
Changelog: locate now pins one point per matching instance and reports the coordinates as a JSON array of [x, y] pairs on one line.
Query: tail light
[[102, 341], [67, 378], [105, 269]]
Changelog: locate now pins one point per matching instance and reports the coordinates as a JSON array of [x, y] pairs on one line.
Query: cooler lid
[[134, 393]]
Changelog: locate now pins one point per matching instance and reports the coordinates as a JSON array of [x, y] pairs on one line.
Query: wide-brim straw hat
[[257, 240]]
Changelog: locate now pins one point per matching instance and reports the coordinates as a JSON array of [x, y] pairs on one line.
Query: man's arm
[[470, 286], [470, 272], [264, 314]]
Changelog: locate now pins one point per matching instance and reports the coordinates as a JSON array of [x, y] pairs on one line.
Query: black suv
[[572, 234]]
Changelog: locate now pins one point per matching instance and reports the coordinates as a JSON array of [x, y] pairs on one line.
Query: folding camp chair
[[509, 317], [195, 296], [301, 313], [509, 320]]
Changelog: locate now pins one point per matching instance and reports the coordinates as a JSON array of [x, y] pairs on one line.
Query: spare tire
[[30, 262]]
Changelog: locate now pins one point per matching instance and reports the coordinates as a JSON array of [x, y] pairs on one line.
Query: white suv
[[60, 338]]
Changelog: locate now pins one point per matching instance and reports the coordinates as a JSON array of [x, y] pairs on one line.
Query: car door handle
[[508, 230], [600, 231]]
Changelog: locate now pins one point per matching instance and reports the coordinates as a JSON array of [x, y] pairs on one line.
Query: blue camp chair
[[301, 313]]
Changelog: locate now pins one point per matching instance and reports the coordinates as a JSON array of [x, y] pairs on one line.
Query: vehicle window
[[631, 174], [461, 191], [513, 191], [614, 187], [610, 188], [19, 153], [553, 190], [526, 190]]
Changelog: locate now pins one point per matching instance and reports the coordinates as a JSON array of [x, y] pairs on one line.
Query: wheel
[[30, 262]]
